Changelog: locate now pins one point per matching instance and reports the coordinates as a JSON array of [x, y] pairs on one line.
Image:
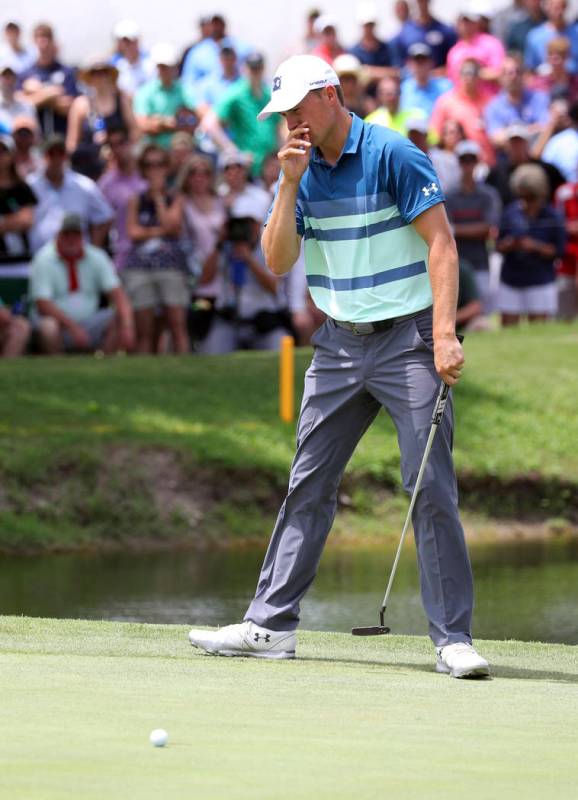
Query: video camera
[[240, 229]]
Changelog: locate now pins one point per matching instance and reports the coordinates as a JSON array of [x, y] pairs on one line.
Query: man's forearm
[[281, 242], [444, 277]]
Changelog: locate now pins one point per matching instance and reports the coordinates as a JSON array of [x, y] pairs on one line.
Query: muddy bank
[[128, 497]]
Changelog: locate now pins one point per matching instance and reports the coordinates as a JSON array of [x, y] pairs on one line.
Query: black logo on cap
[[276, 84]]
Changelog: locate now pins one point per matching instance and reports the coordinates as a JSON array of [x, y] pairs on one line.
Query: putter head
[[372, 630]]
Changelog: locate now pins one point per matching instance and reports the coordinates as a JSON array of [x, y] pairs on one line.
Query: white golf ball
[[159, 737]]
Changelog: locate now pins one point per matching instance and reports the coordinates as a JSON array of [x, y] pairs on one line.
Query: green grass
[[62, 422], [349, 718]]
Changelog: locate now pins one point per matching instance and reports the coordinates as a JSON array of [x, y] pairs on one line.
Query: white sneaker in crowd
[[460, 660], [245, 639]]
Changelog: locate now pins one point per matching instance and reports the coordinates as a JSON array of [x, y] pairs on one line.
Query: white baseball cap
[[296, 77], [366, 12], [165, 54], [126, 29]]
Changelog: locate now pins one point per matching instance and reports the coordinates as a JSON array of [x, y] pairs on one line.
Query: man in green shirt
[[164, 105], [237, 111], [389, 114]]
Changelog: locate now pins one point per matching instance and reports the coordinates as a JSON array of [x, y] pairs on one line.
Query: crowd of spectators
[[133, 186]]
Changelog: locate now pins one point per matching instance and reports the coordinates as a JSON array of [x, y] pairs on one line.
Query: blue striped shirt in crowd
[[364, 259]]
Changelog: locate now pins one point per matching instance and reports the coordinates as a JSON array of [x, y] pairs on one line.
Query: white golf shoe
[[245, 639], [461, 661]]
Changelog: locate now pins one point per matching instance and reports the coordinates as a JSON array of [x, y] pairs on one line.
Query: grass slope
[[349, 719], [78, 437]]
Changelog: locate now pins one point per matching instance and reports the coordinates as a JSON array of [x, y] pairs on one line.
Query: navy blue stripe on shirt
[[346, 206], [368, 281], [362, 232]]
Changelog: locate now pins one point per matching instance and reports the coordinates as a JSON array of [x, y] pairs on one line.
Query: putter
[[438, 412]]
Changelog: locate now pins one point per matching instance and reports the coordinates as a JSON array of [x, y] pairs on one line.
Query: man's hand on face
[[295, 154]]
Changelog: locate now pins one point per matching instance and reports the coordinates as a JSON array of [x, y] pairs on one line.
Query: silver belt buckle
[[362, 328]]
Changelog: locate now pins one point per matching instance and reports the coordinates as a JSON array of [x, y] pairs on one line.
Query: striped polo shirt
[[364, 259]]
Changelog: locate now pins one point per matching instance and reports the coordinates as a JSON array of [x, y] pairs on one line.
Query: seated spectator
[[120, 182], [423, 28], [474, 45], [17, 202], [329, 46], [270, 174], [204, 217], [444, 158], [421, 88], [249, 311], [389, 113], [27, 157], [13, 52], [60, 190], [237, 113], [14, 333], [553, 77], [465, 104], [535, 53], [236, 185], [469, 313], [566, 202], [517, 152], [92, 114], [474, 211], [156, 271], [517, 34], [48, 84], [10, 106], [445, 162], [532, 237], [68, 277], [165, 105], [370, 51], [562, 149], [203, 60], [211, 89], [515, 105], [349, 71], [134, 66], [181, 149]]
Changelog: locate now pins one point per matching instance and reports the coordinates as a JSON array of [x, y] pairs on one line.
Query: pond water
[[524, 590]]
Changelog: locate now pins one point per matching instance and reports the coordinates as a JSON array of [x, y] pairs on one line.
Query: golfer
[[382, 265]]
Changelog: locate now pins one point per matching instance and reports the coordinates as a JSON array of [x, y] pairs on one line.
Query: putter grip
[[443, 395]]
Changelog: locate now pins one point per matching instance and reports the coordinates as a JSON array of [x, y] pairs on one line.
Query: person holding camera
[[249, 312]]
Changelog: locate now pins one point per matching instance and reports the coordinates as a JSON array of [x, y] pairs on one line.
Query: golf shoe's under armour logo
[[276, 84], [431, 189], [267, 637]]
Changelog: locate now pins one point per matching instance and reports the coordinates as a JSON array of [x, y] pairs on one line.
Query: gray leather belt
[[364, 328]]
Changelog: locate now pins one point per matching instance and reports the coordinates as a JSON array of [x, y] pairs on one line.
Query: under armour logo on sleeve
[[431, 189]]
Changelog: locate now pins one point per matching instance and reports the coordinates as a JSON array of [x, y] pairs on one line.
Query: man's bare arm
[[434, 228], [280, 242]]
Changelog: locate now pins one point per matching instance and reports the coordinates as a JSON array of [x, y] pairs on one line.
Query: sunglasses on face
[[154, 164], [206, 172]]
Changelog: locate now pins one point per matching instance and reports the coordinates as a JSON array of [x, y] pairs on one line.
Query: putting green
[[349, 719]]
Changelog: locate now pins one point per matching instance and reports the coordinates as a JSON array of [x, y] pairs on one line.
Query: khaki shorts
[[157, 287]]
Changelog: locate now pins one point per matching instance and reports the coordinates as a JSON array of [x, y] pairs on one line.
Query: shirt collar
[[351, 143]]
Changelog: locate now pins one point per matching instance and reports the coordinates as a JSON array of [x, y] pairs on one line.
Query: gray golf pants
[[348, 381]]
